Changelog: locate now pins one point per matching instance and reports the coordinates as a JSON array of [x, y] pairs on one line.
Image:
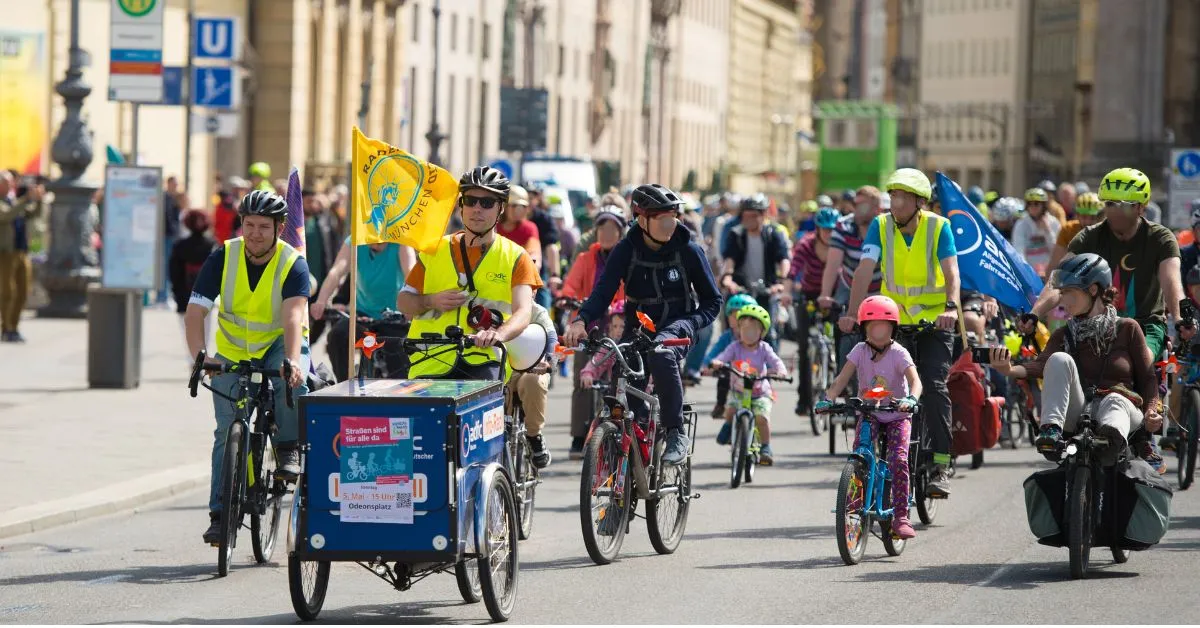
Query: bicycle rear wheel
[[1189, 440], [893, 545], [740, 451], [526, 489], [852, 526], [268, 492], [233, 482], [466, 572], [817, 384], [603, 505], [1079, 525], [666, 515], [308, 581]]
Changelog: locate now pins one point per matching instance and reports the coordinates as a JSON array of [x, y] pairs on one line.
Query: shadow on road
[[149, 574], [795, 533], [1021, 578], [379, 614], [808, 563]]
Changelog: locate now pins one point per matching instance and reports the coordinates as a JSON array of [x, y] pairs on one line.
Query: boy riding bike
[[753, 321], [734, 303], [667, 277], [880, 361]]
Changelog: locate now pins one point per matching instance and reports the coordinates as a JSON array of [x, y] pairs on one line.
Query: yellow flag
[[397, 197]]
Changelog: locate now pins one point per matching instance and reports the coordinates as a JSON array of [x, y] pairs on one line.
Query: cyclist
[[845, 253], [1097, 350], [808, 264], [1035, 232], [920, 273], [667, 278], [263, 284], [1087, 208], [1003, 215], [260, 176], [757, 252], [880, 361], [581, 281], [381, 271], [516, 226], [753, 321], [733, 304]]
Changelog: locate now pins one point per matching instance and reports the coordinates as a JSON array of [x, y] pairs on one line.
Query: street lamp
[[72, 263], [435, 135]]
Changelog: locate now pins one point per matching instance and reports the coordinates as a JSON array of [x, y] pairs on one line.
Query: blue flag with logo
[[987, 262]]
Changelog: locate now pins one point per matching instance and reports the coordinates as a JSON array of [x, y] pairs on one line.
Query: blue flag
[[987, 262]]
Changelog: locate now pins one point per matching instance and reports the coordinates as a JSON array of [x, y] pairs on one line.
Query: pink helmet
[[878, 308], [617, 308]]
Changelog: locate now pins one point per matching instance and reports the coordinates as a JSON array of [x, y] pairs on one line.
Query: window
[[416, 20], [466, 134], [410, 107], [453, 32], [485, 46], [562, 60], [470, 39], [483, 116], [1004, 56]]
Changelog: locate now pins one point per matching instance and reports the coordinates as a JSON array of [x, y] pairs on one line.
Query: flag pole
[[354, 220]]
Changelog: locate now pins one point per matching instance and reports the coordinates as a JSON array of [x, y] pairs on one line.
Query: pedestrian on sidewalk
[[173, 202], [18, 212], [186, 260]]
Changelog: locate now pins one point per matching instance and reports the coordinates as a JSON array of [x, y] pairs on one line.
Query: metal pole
[[435, 136], [187, 94], [136, 110], [365, 106]]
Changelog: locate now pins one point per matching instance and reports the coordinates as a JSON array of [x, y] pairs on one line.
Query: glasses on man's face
[[1125, 205], [484, 202]]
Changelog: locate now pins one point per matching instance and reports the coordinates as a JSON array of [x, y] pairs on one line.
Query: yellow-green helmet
[[910, 180], [1012, 342], [758, 313], [1036, 195], [1125, 184], [260, 169], [1088, 204]]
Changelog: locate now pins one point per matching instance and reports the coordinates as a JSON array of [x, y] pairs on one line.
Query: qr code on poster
[[404, 501]]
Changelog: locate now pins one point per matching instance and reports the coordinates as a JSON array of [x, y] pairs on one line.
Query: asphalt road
[[764, 553]]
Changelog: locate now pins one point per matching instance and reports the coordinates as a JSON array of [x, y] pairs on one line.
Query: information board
[[132, 227]]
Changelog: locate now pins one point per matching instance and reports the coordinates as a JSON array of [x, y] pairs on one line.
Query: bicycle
[[249, 484], [391, 326], [1187, 445], [920, 461], [864, 493], [746, 446], [1021, 404], [623, 458], [822, 360], [519, 458]]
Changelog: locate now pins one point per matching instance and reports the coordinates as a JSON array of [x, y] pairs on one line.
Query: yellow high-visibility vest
[[493, 283], [250, 321], [912, 273]]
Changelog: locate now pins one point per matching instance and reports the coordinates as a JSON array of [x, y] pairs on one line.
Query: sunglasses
[[1125, 205], [472, 201]]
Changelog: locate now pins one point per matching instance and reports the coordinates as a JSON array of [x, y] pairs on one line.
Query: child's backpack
[[975, 418]]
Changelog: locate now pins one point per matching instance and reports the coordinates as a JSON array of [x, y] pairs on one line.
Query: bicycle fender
[[294, 520], [483, 491]]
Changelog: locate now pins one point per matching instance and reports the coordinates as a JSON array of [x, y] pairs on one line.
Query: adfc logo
[[137, 8], [393, 187]]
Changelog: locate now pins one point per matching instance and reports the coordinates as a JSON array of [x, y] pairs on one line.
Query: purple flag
[[293, 231]]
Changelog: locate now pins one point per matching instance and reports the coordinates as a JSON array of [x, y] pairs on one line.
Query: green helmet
[[910, 180], [758, 313], [737, 302], [1127, 185]]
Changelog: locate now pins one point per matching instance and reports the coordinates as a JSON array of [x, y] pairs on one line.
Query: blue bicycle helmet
[[827, 218], [737, 302]]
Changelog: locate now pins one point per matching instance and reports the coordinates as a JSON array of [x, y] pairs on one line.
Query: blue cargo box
[[390, 467]]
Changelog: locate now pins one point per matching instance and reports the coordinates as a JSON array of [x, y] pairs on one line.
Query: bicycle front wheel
[[739, 454], [308, 580], [233, 476], [605, 494], [666, 515], [852, 526], [498, 567], [264, 527], [526, 488], [466, 572], [1079, 526]]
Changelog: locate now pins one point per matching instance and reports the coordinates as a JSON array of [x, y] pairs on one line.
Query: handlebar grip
[[677, 342], [194, 380], [287, 384]]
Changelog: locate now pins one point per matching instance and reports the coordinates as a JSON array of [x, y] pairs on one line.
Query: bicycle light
[[1072, 449], [256, 378]]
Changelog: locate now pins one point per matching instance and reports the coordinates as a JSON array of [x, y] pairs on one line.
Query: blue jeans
[[164, 286], [286, 418]]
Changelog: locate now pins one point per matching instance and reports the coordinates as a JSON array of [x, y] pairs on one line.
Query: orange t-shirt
[[524, 272], [1068, 233]]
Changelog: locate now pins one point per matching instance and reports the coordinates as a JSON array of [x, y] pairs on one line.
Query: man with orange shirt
[[1087, 212]]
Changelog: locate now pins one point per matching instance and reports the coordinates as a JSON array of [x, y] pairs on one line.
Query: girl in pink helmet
[[880, 361]]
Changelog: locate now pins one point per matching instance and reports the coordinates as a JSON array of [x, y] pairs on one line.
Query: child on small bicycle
[[599, 368], [734, 303], [880, 361], [753, 321]]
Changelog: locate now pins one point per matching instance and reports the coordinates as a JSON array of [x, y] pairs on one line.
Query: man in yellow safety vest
[[917, 258], [263, 286]]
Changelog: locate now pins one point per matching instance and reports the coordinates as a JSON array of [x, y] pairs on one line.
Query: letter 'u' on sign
[[216, 38]]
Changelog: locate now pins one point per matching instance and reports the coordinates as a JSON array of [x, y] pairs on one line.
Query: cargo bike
[[407, 478]]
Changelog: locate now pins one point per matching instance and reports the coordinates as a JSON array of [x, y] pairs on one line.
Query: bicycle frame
[[878, 471]]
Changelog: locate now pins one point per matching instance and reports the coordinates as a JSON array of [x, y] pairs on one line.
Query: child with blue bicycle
[[733, 303], [753, 321], [880, 361]]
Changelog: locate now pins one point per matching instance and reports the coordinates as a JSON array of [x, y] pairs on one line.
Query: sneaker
[[902, 529], [765, 456], [537, 447], [724, 435], [6, 336], [677, 447], [16, 337], [212, 536], [288, 465], [1048, 440], [1150, 453], [939, 482], [576, 449]]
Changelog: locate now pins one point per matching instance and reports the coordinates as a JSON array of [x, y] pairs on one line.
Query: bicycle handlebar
[[596, 340], [855, 404], [725, 368], [199, 367]]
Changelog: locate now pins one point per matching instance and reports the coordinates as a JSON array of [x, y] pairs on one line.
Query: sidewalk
[[69, 453]]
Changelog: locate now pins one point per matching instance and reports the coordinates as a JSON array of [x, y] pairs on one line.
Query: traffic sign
[[523, 119], [503, 165], [135, 51], [172, 85], [216, 39], [218, 124], [1184, 186], [215, 87]]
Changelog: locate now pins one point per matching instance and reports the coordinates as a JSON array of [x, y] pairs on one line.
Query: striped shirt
[[846, 238], [807, 266]]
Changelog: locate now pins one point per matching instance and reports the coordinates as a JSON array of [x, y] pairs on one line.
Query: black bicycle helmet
[[652, 197], [1082, 271], [263, 203], [758, 203], [485, 178]]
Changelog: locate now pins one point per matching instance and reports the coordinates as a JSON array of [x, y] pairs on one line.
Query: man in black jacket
[[757, 252]]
